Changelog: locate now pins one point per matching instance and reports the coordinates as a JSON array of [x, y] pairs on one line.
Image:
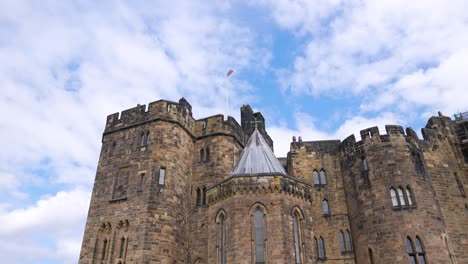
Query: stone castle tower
[[172, 189]]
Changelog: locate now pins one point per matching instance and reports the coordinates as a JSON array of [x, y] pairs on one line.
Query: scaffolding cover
[[258, 158]]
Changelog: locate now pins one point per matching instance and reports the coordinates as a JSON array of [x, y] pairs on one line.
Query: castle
[[173, 189]]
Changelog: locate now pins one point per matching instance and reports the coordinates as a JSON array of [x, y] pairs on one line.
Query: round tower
[[394, 215]]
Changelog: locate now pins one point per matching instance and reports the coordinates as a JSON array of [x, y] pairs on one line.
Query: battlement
[[180, 113], [319, 146]]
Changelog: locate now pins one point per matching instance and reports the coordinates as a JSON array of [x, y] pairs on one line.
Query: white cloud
[[414, 51], [50, 229]]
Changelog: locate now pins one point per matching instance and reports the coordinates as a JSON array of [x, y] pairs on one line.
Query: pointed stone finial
[[255, 122]]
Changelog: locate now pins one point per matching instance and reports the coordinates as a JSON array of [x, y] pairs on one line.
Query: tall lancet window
[[297, 238], [223, 240], [259, 237]]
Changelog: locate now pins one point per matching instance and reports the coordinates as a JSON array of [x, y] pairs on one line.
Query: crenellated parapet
[[179, 113], [243, 185]]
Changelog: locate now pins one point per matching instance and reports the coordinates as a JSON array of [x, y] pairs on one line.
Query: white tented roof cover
[[258, 158]]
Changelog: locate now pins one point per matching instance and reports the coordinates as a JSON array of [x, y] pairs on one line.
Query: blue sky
[[316, 69]]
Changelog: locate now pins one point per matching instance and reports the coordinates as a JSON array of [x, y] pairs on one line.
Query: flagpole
[[227, 91]]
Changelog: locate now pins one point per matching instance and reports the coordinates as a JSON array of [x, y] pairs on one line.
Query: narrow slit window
[[204, 196], [371, 256], [122, 247], [223, 240], [297, 246], [207, 154], [142, 181], [104, 249], [316, 248], [147, 137], [198, 197], [259, 238], [202, 154], [142, 139], [365, 167], [162, 176]]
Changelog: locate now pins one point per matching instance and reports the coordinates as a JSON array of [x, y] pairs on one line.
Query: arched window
[[365, 167], [104, 249], [297, 238], [316, 248], [207, 155], [342, 242], [147, 137], [142, 139], [204, 196], [401, 196], [202, 154], [323, 178], [322, 253], [198, 196], [259, 237], [371, 256], [394, 197], [221, 220], [408, 196], [420, 251], [326, 209], [316, 178], [122, 247], [142, 181], [349, 245], [411, 252]]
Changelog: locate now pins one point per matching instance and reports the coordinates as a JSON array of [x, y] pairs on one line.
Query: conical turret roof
[[258, 158]]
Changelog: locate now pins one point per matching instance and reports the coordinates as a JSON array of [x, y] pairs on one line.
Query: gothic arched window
[[401, 197], [259, 237], [221, 244], [326, 208], [420, 251], [371, 256], [323, 178], [349, 245], [316, 177], [297, 243], [204, 196], [202, 154], [207, 154], [342, 242], [322, 253], [393, 195], [316, 248], [408, 196], [411, 252]]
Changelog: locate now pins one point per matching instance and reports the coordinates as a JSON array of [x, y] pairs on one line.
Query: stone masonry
[[165, 192]]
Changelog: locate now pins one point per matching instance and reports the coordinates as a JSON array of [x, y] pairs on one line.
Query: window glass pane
[[223, 240], [323, 178], [408, 195], [348, 241], [402, 197], [322, 248], [342, 244], [364, 165], [422, 260], [259, 238], [316, 248], [297, 249], [394, 197], [316, 177], [326, 209], [413, 259], [418, 245], [162, 176], [409, 245]]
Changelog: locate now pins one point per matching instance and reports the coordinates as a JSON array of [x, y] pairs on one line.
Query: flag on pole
[[229, 73]]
